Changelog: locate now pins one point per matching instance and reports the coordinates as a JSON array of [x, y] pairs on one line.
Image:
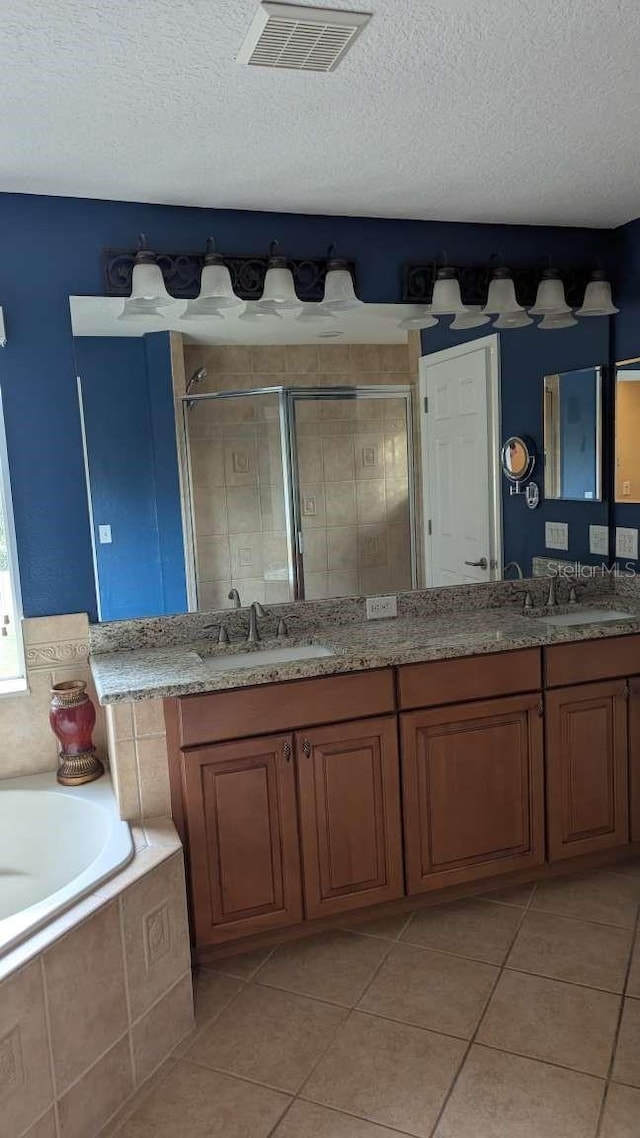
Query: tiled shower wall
[[352, 466]]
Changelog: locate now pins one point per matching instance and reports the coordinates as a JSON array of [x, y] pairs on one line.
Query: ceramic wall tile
[[156, 937], [26, 1088], [162, 1028], [243, 509], [153, 776], [212, 555], [91, 1102]]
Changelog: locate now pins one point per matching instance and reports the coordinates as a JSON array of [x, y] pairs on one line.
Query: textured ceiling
[[472, 110]]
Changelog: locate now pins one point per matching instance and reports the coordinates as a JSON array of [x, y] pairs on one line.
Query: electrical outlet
[[378, 608], [104, 535], [556, 535], [627, 543], [599, 540], [626, 489]]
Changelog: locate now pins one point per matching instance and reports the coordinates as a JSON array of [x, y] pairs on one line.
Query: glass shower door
[[237, 480], [354, 501]]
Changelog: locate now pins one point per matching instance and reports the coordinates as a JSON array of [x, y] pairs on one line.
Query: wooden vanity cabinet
[[350, 828], [472, 791], [634, 759], [587, 768], [244, 861]]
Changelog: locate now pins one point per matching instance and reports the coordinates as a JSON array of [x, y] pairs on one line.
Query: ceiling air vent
[[300, 38]]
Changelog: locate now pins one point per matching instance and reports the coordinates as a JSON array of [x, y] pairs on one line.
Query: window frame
[[16, 683]]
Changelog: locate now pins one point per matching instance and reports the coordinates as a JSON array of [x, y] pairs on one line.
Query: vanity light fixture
[[474, 318], [279, 290], [254, 311], [550, 298], [314, 314], [418, 322], [216, 288], [502, 300], [148, 292], [557, 320], [597, 298], [512, 320], [446, 299], [339, 293]]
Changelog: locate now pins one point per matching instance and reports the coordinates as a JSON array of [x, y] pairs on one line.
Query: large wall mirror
[[573, 435], [627, 459], [281, 458]]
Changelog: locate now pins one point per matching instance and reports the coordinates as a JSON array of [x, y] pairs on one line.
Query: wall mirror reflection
[[627, 460], [573, 435], [293, 457]]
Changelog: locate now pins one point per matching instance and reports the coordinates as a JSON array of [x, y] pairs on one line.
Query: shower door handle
[[481, 564]]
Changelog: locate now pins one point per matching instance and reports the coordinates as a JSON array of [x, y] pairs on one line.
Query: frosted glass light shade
[[597, 297], [255, 311], [418, 322], [339, 293], [446, 299], [559, 320], [466, 320], [550, 298], [279, 288], [202, 310], [501, 297], [141, 310], [517, 319], [147, 283], [314, 314]]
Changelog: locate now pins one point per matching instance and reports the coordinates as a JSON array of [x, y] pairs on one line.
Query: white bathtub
[[56, 845]]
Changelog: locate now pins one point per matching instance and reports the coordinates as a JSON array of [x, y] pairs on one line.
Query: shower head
[[197, 377]]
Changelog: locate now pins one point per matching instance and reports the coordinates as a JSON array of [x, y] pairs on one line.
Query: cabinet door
[[587, 763], [634, 758], [472, 779], [349, 793], [240, 803]]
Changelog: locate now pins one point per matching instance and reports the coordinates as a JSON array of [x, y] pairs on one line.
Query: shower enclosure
[[299, 493]]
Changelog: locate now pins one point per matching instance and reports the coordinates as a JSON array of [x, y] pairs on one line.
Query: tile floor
[[514, 1016]]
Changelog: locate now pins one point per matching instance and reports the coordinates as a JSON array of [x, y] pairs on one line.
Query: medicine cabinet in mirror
[[573, 435]]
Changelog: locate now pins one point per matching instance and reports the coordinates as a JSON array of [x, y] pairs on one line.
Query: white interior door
[[460, 420]]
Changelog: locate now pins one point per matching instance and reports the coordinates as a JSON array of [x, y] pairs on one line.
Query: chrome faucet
[[255, 611], [513, 565], [234, 596], [552, 595]]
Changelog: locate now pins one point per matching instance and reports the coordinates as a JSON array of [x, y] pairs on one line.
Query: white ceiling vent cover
[[304, 39]]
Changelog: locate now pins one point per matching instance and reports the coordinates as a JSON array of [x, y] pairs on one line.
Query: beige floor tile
[[519, 895], [242, 966], [212, 991], [505, 1096], [46, 1127], [197, 1103], [387, 1072], [547, 1019], [161, 1029], [601, 897], [627, 868], [430, 989], [626, 1067], [388, 928], [308, 1120], [270, 1036], [633, 985], [595, 955], [477, 929], [621, 1118], [335, 966]]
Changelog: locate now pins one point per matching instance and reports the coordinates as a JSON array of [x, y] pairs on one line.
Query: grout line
[[47, 1018], [635, 942], [501, 970], [125, 976]]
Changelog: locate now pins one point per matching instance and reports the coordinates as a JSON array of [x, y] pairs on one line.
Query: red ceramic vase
[[72, 718]]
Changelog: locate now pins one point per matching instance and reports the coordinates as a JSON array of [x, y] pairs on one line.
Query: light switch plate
[[556, 535], [104, 535], [627, 542], [599, 540], [379, 608]]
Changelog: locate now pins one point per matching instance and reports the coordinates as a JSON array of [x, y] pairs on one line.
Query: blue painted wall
[[578, 434], [526, 355], [51, 250], [128, 412]]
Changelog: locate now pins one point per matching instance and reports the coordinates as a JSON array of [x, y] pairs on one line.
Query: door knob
[[481, 564]]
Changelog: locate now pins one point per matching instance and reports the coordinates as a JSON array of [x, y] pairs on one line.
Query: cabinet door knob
[[306, 747], [286, 751], [482, 563]]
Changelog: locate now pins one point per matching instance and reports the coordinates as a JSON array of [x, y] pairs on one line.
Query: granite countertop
[[178, 669]]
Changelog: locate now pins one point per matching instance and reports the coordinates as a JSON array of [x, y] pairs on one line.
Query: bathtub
[[57, 844]]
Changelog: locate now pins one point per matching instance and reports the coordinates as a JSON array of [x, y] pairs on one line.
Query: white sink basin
[[262, 657], [586, 616]]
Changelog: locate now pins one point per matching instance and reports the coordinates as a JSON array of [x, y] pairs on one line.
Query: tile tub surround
[[425, 1025], [357, 645], [56, 649], [94, 1003]]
